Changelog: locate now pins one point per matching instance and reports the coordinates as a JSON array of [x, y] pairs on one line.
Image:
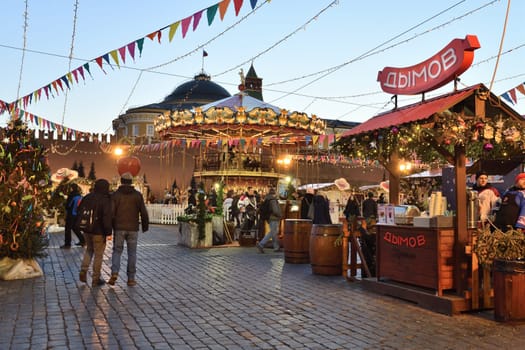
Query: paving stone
[[222, 298]]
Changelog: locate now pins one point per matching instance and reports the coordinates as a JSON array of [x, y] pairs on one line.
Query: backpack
[[72, 204], [87, 216], [508, 212], [265, 210]]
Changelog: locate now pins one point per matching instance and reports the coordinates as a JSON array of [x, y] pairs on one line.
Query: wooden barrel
[[325, 258], [297, 241], [509, 284]]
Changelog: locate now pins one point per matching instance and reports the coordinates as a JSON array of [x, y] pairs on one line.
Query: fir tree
[[91, 175], [80, 170], [24, 191], [75, 166]]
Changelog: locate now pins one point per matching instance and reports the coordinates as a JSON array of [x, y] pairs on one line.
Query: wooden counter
[[419, 256]]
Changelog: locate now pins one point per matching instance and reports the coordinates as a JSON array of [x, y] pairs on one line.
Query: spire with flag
[[204, 54]]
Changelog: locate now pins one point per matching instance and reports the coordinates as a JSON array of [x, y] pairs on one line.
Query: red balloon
[[129, 164]]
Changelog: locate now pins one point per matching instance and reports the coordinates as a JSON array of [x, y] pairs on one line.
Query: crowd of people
[[100, 215]]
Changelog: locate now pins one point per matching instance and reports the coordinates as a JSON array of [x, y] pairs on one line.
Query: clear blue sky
[[287, 47]]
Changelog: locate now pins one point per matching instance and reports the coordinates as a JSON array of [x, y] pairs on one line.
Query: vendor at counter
[[487, 194]]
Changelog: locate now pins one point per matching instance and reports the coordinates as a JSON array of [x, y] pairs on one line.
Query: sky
[[319, 57]]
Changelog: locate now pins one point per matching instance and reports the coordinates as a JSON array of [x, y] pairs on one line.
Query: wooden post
[[461, 239], [345, 248]]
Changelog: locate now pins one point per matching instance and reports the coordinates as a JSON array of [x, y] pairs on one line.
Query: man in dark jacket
[[99, 201], [128, 206], [275, 215]]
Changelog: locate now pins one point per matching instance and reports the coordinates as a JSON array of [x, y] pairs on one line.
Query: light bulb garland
[[496, 138]]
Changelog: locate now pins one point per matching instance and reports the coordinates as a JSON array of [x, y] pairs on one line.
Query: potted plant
[[195, 227], [503, 252]]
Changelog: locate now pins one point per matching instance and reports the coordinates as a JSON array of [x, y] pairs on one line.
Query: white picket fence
[[165, 213]]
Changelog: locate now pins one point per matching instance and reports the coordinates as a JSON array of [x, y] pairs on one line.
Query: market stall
[[434, 264]]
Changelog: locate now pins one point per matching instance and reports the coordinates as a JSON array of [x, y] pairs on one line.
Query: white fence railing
[[165, 213]]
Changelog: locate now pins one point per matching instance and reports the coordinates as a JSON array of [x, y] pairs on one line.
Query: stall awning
[[495, 166], [412, 113]]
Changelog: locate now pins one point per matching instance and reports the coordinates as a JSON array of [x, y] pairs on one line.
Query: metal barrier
[[165, 214]]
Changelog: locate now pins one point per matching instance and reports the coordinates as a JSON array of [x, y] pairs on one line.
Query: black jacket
[[100, 200], [128, 205], [305, 204], [321, 211]]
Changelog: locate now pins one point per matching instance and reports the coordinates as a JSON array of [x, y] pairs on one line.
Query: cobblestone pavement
[[222, 298]]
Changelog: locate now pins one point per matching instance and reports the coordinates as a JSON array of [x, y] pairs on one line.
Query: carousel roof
[[240, 100], [237, 116]]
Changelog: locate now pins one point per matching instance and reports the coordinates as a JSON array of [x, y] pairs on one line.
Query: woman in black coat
[[321, 210]]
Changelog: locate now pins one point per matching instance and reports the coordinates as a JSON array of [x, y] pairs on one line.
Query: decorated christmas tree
[[24, 190]]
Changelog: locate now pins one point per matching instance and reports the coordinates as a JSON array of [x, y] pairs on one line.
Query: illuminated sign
[[433, 73]]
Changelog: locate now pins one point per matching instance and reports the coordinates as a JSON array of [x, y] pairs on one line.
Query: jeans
[[274, 231], [95, 245], [130, 237]]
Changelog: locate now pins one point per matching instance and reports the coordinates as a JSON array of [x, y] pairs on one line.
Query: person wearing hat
[[512, 209], [520, 187], [128, 208], [488, 195]]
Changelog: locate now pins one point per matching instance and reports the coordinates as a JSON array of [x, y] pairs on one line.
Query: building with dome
[[136, 124]]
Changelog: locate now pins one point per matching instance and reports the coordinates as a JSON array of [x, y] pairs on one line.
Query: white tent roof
[[316, 186]]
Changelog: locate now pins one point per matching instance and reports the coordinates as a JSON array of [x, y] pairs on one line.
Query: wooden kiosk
[[434, 267]]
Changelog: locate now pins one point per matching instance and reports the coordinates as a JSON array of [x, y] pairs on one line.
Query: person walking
[[274, 217], [73, 200], [100, 202], [128, 207]]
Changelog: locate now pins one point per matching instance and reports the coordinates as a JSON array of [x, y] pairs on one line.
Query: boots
[[113, 279], [82, 276]]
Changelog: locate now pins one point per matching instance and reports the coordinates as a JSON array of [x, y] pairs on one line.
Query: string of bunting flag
[[511, 96], [44, 124], [116, 56]]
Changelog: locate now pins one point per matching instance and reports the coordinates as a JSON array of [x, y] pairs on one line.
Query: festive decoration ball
[[480, 125], [488, 146], [395, 130], [130, 164]]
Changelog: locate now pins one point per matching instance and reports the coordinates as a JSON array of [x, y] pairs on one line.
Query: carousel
[[242, 141]]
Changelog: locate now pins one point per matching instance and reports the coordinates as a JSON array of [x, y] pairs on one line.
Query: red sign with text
[[433, 73]]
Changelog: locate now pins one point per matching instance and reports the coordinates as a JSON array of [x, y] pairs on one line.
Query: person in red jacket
[[128, 208]]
